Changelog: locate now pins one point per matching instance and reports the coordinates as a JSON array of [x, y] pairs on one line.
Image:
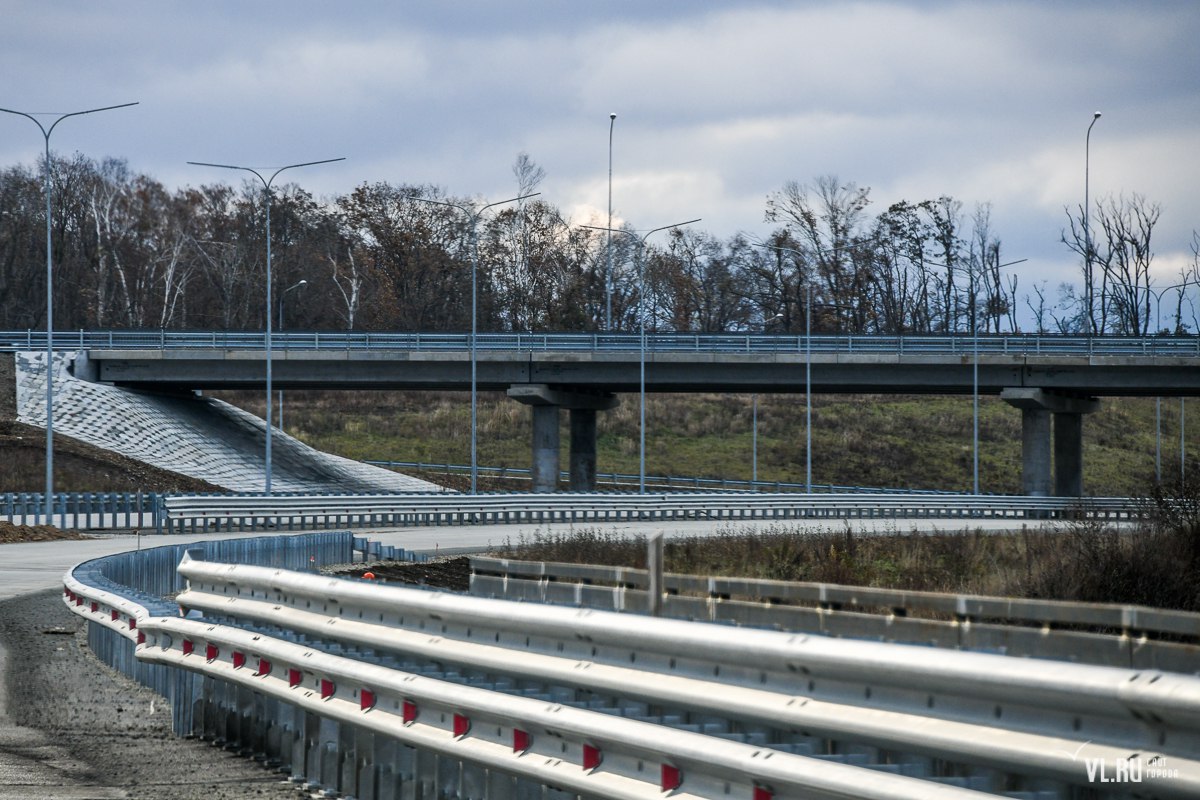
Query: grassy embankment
[[893, 441]]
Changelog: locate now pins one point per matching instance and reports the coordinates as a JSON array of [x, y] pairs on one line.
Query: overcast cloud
[[718, 103]]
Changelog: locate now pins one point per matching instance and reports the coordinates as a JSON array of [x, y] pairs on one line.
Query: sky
[[718, 104]]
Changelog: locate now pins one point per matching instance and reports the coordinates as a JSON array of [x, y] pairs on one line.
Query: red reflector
[[95, 606], [115, 615], [141, 638], [326, 688], [591, 756], [410, 711], [132, 624], [462, 724], [520, 740], [293, 677], [366, 699], [763, 793], [671, 777], [239, 660], [188, 647], [264, 667], [66, 592], [211, 652], [78, 600]]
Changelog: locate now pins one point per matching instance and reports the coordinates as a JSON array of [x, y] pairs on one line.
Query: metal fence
[[750, 343]]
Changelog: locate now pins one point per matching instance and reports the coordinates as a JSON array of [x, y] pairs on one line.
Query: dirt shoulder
[[108, 737]]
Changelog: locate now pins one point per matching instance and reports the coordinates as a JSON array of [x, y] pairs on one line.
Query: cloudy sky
[[718, 103]]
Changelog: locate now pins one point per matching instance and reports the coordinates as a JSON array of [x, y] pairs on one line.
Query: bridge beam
[[545, 401], [1038, 408]]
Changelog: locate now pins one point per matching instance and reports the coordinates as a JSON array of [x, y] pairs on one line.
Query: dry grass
[[1155, 564]]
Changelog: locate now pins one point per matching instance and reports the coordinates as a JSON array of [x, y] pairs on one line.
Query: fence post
[[654, 564]]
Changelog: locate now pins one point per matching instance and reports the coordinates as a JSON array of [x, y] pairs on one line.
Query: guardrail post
[[654, 564]]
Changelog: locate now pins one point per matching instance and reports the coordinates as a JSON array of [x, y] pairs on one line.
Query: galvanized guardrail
[[677, 482], [963, 711], [1137, 637], [379, 691], [82, 510], [917, 344], [241, 512]]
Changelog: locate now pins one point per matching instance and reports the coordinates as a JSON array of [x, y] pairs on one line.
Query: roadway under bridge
[[1054, 380]]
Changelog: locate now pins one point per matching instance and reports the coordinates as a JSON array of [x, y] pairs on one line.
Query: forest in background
[[130, 253]]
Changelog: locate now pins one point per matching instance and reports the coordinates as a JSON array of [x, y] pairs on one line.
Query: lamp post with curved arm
[[1158, 296], [33, 116], [474, 217], [641, 246], [608, 282], [267, 182], [282, 296], [1087, 231]]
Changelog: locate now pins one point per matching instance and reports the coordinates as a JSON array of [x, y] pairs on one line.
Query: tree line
[[131, 253]]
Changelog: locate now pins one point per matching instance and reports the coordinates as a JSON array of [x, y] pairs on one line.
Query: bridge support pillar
[[1038, 408], [545, 448], [545, 401]]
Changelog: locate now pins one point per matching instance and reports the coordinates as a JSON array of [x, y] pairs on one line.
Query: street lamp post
[[474, 217], [33, 116], [1158, 296], [608, 276], [1087, 231], [282, 295], [754, 417], [266, 182], [641, 246]]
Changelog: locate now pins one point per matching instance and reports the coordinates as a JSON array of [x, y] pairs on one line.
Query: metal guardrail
[[750, 343], [1131, 636], [82, 510], [242, 512], [330, 676], [664, 481]]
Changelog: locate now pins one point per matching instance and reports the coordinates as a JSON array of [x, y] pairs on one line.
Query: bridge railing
[[760, 344]]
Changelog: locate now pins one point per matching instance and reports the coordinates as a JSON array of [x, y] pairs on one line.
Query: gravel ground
[[72, 729], [453, 573]]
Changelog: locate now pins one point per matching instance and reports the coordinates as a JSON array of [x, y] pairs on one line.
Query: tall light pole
[[33, 116], [974, 362], [641, 246], [266, 182], [474, 217], [1158, 296], [754, 417], [1087, 231], [282, 297], [608, 276]]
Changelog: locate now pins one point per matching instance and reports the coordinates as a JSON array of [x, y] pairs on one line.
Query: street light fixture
[[754, 420], [1087, 231], [474, 217], [1158, 296], [282, 295], [266, 182], [33, 116], [641, 246], [608, 282]]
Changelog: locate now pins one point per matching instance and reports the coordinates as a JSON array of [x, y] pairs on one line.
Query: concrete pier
[[1039, 409], [545, 402]]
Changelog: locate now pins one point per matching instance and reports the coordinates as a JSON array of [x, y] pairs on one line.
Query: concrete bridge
[[1054, 380]]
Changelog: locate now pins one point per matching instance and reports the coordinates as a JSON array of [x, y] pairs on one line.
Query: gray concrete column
[[1036, 406], [1035, 452], [1068, 454], [545, 401], [545, 448], [583, 449]]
